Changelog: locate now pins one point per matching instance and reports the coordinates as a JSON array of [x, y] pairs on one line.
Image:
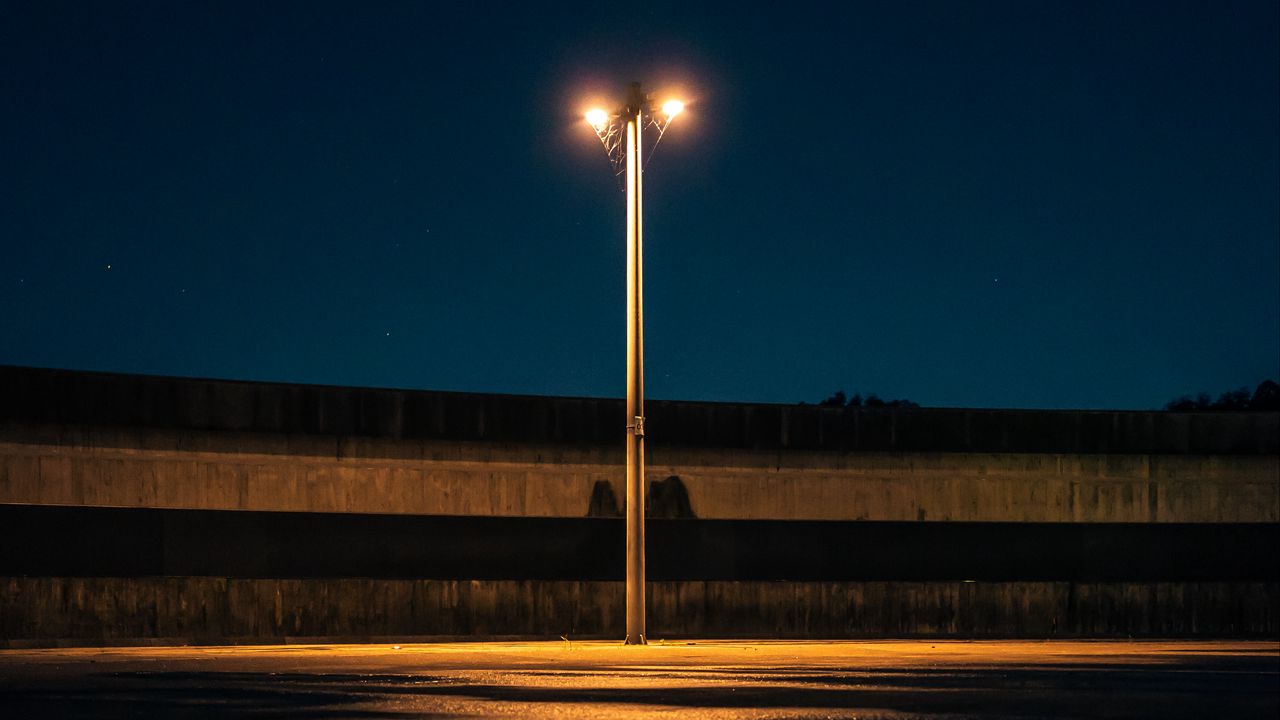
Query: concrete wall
[[62, 397], [90, 439], [74, 465], [78, 611]]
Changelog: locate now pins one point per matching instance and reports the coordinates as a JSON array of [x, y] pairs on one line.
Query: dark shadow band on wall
[[34, 396], [58, 541]]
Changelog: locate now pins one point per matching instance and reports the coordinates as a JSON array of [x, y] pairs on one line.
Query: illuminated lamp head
[[597, 118]]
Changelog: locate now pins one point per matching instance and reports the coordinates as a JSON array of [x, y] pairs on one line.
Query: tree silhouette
[[838, 399], [1265, 398]]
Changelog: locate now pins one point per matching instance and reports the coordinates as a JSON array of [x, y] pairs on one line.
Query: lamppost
[[621, 133]]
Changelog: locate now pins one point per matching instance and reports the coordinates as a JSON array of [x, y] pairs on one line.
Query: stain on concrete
[[668, 500], [604, 504]]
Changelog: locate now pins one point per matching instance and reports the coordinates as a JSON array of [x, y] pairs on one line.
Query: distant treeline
[[1265, 398], [838, 399]]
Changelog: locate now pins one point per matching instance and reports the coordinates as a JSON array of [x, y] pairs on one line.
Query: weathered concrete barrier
[[94, 439], [99, 440], [142, 467], [65, 397], [39, 611]]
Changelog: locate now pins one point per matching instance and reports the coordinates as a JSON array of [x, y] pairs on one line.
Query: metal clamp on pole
[[637, 426]]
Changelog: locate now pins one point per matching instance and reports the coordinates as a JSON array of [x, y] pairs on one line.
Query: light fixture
[[597, 118]]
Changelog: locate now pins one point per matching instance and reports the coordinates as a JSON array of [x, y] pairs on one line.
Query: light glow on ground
[[699, 678]]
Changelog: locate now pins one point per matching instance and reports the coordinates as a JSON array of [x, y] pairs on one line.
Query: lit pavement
[[712, 679]]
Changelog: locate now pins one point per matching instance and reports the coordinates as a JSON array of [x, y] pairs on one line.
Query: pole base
[[634, 640]]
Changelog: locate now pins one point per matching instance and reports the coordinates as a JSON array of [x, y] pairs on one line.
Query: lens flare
[[597, 118], [672, 108]]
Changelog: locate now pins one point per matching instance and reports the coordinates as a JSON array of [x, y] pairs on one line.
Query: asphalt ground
[[699, 679]]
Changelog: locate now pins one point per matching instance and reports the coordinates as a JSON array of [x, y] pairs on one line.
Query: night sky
[[986, 204]]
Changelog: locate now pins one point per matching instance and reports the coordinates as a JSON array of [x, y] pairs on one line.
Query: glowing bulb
[[597, 118], [672, 108]]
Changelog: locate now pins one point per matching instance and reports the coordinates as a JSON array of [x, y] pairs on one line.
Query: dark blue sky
[[989, 204]]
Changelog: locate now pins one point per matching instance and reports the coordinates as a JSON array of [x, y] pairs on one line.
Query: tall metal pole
[[635, 110]]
